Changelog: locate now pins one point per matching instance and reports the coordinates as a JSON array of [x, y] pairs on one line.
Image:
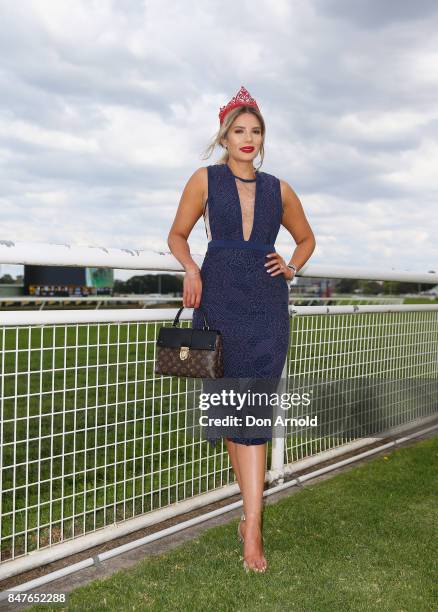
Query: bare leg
[[251, 460], [231, 447]]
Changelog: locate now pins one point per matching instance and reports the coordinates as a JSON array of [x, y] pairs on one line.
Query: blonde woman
[[242, 285]]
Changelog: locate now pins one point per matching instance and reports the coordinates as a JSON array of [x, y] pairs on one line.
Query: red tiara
[[242, 98]]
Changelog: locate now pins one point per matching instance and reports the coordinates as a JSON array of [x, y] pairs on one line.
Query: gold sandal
[[239, 533]]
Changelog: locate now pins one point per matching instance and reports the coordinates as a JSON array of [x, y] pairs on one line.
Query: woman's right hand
[[192, 288]]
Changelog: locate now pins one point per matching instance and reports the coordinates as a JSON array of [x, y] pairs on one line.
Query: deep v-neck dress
[[239, 297]]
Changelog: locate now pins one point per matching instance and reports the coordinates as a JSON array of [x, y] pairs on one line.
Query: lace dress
[[239, 297]]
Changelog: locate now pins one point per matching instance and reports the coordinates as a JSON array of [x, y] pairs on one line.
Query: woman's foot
[[253, 556]]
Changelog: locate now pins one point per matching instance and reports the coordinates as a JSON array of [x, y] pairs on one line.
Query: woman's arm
[[190, 208], [294, 220], [189, 211]]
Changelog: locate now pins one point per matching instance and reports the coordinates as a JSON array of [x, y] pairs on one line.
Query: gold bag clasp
[[184, 352]]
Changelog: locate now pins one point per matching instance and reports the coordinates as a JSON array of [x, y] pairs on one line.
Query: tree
[[7, 279], [347, 285]]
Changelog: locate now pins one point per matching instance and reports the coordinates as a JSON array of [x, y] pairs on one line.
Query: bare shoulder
[[294, 218], [288, 196], [190, 207], [198, 182], [200, 175]]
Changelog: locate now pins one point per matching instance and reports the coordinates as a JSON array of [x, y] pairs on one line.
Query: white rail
[[57, 317], [48, 254]]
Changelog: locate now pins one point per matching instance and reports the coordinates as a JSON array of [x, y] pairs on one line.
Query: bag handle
[[176, 320]]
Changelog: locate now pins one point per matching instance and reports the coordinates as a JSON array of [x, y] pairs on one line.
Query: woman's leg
[[231, 447], [251, 461]]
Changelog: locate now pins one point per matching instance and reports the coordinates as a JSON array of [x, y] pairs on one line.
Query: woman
[[242, 286]]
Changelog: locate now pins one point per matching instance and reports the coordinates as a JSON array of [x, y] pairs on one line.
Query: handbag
[[195, 353]]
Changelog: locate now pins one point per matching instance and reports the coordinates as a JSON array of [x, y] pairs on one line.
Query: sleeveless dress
[[239, 297]]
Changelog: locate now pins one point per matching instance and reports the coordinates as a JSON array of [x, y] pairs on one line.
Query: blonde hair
[[223, 131]]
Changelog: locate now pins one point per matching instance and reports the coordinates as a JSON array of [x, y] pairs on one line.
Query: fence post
[[277, 457]]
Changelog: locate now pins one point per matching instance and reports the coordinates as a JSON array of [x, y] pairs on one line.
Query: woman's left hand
[[276, 265]]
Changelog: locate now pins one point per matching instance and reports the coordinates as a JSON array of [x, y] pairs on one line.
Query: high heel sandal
[[239, 533], [241, 538]]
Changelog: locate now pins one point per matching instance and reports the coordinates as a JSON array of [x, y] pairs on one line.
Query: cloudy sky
[[107, 105]]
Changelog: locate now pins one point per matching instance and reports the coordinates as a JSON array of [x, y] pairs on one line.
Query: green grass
[[362, 540], [422, 299]]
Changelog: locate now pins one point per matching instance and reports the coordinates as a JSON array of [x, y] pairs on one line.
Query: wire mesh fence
[[91, 437]]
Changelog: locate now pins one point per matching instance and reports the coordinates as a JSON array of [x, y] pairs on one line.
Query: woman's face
[[245, 131]]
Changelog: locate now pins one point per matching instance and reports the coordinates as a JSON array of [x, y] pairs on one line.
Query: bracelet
[[294, 268]]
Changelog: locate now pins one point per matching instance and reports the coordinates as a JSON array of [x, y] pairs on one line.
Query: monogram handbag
[[195, 353]]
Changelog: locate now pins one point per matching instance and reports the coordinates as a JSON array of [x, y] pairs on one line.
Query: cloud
[[106, 108], [377, 14]]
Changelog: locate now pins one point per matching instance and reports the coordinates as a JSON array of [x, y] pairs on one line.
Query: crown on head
[[242, 98]]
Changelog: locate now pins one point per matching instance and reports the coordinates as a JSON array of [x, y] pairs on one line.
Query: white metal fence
[[92, 439], [381, 361]]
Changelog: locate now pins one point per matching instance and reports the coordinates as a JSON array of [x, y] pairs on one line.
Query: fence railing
[[91, 438]]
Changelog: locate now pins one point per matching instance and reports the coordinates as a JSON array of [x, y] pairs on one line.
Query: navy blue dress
[[239, 297]]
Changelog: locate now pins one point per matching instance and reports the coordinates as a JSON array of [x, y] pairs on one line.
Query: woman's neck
[[243, 170]]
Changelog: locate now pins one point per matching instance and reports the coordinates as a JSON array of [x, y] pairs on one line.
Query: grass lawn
[[362, 540], [421, 299]]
